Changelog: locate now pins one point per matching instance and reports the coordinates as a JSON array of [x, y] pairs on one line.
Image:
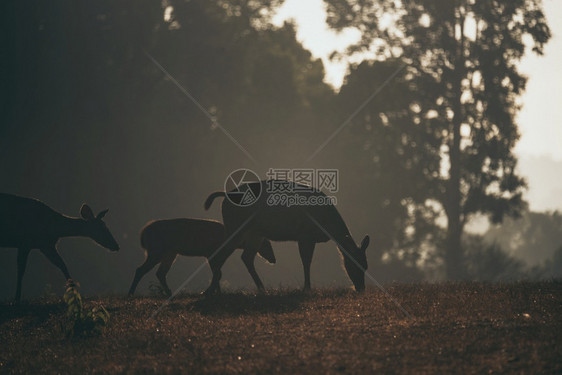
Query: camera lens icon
[[243, 187]]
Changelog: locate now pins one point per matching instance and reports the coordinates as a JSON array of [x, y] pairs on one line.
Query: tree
[[257, 81], [395, 157], [533, 238], [489, 262], [462, 57]]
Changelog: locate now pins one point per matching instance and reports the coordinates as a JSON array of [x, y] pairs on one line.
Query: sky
[[540, 120]]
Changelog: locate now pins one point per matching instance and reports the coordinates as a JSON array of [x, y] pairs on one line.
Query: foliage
[[81, 89], [553, 267], [489, 262], [83, 322], [464, 84], [259, 82], [397, 158], [533, 238]]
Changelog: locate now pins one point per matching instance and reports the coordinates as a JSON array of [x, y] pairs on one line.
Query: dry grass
[[461, 328]]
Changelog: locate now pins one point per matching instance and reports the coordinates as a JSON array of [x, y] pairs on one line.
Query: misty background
[[88, 117]]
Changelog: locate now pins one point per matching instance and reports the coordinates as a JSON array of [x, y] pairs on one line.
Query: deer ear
[[86, 212], [102, 214], [365, 243]]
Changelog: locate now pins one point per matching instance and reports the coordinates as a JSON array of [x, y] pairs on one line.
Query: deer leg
[[306, 250], [217, 274], [163, 271], [266, 251], [248, 257], [148, 264], [216, 264], [22, 262], [217, 259], [54, 257]]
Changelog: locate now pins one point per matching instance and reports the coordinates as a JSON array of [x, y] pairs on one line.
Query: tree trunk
[[454, 257]]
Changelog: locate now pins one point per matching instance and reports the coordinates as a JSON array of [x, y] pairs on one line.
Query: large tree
[[462, 57], [393, 155]]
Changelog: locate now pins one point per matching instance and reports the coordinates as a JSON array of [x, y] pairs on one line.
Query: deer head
[[97, 230], [355, 262]]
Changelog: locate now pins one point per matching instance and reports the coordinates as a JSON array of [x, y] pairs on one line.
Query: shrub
[[81, 322]]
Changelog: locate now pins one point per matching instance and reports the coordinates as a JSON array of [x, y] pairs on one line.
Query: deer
[[305, 224], [27, 223], [163, 240]]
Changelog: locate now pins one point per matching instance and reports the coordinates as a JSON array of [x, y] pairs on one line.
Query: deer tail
[[212, 197]]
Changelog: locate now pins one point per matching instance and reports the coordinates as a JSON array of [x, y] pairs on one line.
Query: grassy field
[[461, 328]]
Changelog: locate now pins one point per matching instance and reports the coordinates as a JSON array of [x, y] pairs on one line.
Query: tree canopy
[[462, 71]]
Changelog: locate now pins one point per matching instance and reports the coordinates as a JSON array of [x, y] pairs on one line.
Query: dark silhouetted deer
[[307, 225], [28, 224], [163, 240]]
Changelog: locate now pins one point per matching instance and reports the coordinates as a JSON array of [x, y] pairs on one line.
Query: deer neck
[[345, 242], [73, 227]]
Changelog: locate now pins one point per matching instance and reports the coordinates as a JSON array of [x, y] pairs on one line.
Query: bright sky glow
[[540, 120], [316, 36]]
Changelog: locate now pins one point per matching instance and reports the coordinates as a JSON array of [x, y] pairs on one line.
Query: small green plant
[[81, 322]]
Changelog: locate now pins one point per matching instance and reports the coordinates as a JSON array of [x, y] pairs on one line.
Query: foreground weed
[[81, 322]]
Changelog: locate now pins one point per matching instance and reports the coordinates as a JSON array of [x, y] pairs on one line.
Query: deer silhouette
[[27, 224], [306, 224], [163, 240]]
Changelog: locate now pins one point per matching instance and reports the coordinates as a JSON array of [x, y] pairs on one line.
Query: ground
[[453, 327]]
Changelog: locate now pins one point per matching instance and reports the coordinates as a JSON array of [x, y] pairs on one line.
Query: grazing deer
[[307, 225], [27, 224], [163, 240]]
